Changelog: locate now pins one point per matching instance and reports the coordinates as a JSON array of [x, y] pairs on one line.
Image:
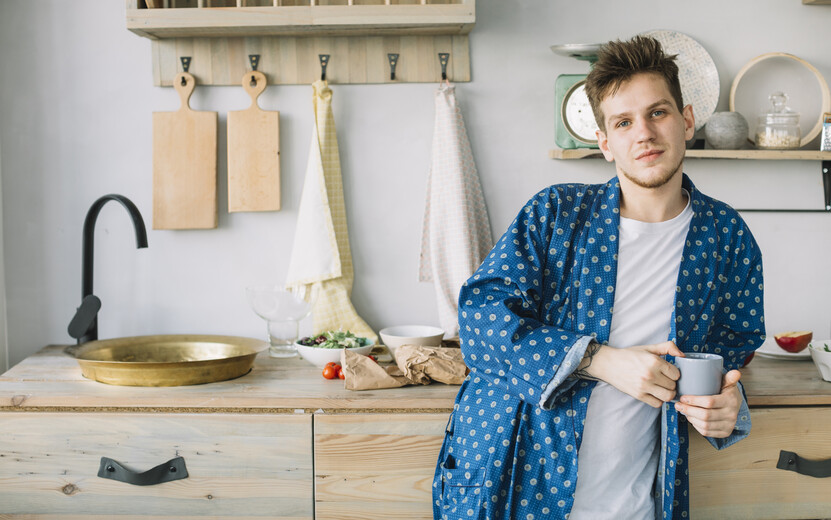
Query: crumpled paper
[[416, 365]]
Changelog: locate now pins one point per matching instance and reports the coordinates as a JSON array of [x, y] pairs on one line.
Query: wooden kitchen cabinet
[[238, 465], [742, 481], [282, 440], [248, 445], [376, 466]]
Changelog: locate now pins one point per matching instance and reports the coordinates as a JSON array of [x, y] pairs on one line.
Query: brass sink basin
[[167, 360]]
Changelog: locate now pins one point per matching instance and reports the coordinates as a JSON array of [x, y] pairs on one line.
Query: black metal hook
[[255, 62], [444, 57], [393, 62], [185, 67], [324, 61]]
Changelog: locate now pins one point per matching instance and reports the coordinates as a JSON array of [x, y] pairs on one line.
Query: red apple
[[794, 341], [748, 359]]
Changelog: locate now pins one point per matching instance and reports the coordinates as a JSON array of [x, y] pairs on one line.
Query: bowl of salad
[[327, 346]]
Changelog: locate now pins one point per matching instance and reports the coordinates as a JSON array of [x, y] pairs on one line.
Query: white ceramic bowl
[[320, 356], [821, 357], [424, 335]]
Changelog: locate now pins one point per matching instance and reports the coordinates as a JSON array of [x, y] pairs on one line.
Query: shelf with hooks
[[360, 36]]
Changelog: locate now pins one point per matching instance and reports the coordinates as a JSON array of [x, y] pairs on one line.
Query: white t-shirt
[[618, 458]]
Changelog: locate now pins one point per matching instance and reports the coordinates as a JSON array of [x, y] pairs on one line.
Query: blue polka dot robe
[[526, 317]]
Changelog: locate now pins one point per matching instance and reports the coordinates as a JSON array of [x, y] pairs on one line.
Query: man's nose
[[646, 130]]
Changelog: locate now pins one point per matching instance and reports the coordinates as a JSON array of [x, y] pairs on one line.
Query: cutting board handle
[[254, 83], [184, 90]]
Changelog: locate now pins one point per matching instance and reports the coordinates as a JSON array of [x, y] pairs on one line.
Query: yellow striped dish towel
[[320, 256], [456, 235]]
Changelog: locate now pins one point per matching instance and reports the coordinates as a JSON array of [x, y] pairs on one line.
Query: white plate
[[696, 71], [807, 91], [771, 350]]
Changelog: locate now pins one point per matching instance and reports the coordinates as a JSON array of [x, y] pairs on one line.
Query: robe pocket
[[462, 490], [460, 477]]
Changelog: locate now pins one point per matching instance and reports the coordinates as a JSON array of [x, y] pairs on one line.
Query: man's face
[[645, 133]]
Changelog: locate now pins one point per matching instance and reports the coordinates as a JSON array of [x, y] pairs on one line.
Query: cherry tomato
[[331, 364], [330, 372], [341, 374]]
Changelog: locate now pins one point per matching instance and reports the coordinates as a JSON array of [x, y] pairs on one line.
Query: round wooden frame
[[826, 93]]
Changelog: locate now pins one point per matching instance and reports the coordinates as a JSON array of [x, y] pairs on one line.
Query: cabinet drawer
[[376, 467], [238, 465], [742, 481]]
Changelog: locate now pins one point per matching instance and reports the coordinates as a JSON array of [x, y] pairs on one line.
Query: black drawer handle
[[174, 469], [790, 461]]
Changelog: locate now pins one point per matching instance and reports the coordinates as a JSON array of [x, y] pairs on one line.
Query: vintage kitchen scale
[[575, 124]]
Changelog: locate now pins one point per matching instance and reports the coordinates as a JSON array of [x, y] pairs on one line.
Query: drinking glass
[[282, 307]]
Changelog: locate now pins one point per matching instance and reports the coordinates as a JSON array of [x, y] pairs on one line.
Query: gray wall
[[76, 99]]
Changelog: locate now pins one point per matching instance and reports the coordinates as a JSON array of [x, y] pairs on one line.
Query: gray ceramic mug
[[700, 374]]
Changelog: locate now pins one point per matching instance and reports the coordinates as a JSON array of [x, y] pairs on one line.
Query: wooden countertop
[[51, 381]]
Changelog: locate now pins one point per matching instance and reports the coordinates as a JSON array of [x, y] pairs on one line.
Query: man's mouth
[[649, 155]]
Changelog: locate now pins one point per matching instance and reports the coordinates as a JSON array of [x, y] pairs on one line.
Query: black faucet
[[84, 325]]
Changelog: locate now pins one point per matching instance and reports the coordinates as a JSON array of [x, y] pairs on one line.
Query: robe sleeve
[[502, 333], [739, 324], [738, 327], [742, 428]]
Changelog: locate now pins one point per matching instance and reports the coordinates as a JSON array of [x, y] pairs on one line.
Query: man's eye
[[623, 124], [658, 113]]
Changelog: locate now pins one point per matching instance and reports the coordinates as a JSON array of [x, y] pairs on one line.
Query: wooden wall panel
[[289, 60]]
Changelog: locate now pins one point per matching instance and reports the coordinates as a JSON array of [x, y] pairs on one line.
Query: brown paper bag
[[362, 373], [425, 364]]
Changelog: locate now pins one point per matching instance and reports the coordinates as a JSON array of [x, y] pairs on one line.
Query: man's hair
[[618, 61]]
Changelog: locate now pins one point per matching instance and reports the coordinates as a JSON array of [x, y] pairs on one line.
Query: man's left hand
[[714, 415]]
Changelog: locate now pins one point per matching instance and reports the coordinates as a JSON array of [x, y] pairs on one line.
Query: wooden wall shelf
[[357, 34], [768, 155], [317, 20], [771, 155]]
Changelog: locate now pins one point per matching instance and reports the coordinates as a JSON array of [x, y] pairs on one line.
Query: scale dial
[[577, 114]]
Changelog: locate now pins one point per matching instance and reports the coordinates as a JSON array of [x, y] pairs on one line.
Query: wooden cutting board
[[184, 164], [253, 153]]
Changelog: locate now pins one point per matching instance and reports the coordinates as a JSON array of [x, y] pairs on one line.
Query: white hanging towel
[[320, 255], [456, 235]]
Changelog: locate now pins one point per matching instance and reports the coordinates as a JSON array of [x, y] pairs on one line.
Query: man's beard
[[656, 182]]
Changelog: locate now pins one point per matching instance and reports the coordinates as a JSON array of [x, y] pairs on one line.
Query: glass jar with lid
[[779, 128]]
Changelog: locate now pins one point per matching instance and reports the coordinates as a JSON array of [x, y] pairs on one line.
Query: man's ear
[[689, 122], [603, 143]]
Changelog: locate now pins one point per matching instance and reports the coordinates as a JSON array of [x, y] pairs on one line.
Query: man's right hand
[[638, 371]]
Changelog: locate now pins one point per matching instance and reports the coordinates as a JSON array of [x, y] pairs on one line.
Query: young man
[[569, 325]]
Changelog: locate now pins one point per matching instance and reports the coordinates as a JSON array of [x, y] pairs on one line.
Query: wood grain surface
[[742, 481], [52, 380], [184, 164], [257, 465], [289, 60], [253, 153], [376, 466]]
